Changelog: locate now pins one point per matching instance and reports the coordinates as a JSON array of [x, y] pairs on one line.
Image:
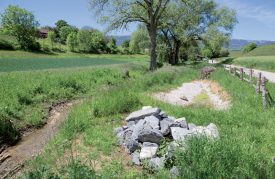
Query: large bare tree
[[119, 13]]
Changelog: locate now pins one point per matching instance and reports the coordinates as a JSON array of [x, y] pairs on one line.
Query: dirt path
[[269, 75], [197, 92], [13, 158]]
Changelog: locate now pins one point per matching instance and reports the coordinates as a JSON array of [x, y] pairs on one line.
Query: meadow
[[85, 146], [244, 150]]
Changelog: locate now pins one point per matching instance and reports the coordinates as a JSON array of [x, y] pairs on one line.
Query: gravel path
[[185, 94], [269, 75]]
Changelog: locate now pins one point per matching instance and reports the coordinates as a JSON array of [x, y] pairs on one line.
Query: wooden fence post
[[264, 92], [241, 75], [251, 76], [259, 80]]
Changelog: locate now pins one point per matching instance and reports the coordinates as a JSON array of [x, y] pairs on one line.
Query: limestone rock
[[165, 126], [174, 172], [132, 145], [181, 122], [137, 115], [147, 134], [135, 158], [152, 121], [179, 133], [148, 150], [157, 163]]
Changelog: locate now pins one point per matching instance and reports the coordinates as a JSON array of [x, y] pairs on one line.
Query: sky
[[256, 17]]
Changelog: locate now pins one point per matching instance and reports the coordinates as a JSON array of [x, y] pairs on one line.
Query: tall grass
[[259, 62]]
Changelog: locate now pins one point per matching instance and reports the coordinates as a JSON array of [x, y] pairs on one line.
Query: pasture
[[246, 128]]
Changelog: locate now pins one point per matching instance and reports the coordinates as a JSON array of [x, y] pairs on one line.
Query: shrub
[[117, 101], [5, 45], [249, 47], [219, 159], [224, 52], [35, 46], [8, 133]]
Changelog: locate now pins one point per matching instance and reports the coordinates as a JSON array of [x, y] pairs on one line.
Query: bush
[[5, 45], [117, 101], [35, 46], [8, 133], [224, 52], [219, 159], [249, 47]]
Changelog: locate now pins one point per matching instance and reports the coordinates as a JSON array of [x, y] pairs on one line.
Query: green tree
[[126, 46], [111, 46], [72, 41], [21, 24], [83, 37], [61, 23], [65, 31], [91, 41], [140, 40], [119, 13], [249, 47], [51, 38], [192, 22]]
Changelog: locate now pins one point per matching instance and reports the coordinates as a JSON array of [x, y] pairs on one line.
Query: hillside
[[238, 44]]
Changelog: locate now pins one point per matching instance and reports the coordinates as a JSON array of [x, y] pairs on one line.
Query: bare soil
[[13, 158], [187, 93]]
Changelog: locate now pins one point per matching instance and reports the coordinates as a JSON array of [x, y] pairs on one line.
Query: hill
[[238, 44]]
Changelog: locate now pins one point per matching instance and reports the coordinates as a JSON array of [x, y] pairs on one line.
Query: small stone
[[125, 127], [174, 172], [120, 137], [153, 121], [165, 126], [214, 132], [147, 134], [135, 158], [137, 128], [156, 164], [141, 114], [171, 149], [148, 150], [211, 131], [181, 122], [132, 146], [179, 133]]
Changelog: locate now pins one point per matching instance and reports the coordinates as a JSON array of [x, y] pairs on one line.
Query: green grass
[[258, 62], [244, 150]]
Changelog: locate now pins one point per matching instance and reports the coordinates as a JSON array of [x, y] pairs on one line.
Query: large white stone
[[179, 133], [148, 150], [141, 114]]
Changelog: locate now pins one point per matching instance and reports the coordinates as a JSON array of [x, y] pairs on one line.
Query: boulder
[[135, 158], [211, 131], [132, 145], [179, 133], [137, 128], [120, 137], [152, 121], [126, 135], [181, 122], [147, 134], [174, 172], [141, 114], [156, 164], [165, 126], [148, 150]]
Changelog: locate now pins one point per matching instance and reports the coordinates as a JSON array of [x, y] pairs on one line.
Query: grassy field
[[258, 62], [244, 150]]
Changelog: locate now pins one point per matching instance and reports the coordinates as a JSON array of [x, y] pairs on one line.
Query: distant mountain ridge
[[235, 44], [238, 44]]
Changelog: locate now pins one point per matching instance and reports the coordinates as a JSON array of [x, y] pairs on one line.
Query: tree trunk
[[175, 53], [153, 54]]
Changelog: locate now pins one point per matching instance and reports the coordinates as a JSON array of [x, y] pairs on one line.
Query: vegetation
[[21, 24], [232, 155], [258, 62], [249, 47]]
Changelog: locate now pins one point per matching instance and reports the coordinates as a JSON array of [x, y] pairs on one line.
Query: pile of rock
[[148, 127]]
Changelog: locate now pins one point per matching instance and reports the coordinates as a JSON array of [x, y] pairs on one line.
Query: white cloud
[[259, 13]]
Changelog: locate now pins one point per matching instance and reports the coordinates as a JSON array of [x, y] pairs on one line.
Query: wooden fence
[[260, 84]]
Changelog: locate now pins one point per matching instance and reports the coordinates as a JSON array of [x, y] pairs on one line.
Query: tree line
[[174, 27]]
